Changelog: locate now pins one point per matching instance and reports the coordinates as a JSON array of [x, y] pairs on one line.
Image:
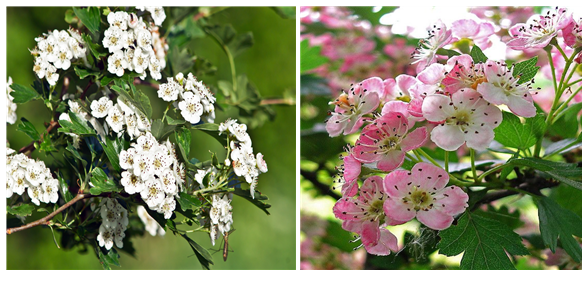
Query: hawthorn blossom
[[365, 216], [463, 117], [350, 109], [63, 56], [10, 105], [114, 38], [191, 108], [479, 32], [421, 193], [117, 62], [220, 216], [169, 91], [113, 225], [131, 182], [464, 73], [502, 88], [51, 75], [349, 171], [573, 33], [158, 14], [115, 119], [387, 140], [100, 108], [118, 19], [539, 30], [151, 225], [425, 54]]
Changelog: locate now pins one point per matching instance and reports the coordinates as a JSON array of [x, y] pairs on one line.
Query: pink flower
[[387, 140], [463, 117], [502, 88], [349, 111], [463, 74], [365, 216], [539, 30], [573, 33], [349, 171], [480, 33], [425, 53], [421, 193]]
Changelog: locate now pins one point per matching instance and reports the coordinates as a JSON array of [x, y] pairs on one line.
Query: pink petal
[[353, 125], [370, 187], [369, 102], [465, 28], [436, 108], [434, 219], [479, 137], [391, 160], [386, 243], [350, 189], [343, 208], [352, 168], [455, 201], [334, 127], [492, 93], [433, 74], [405, 82], [395, 106], [373, 85], [520, 106], [429, 177], [395, 183], [398, 211], [414, 140], [447, 137], [370, 233]]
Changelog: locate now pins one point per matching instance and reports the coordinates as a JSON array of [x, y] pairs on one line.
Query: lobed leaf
[[90, 17], [26, 127], [310, 56], [525, 70], [20, 210], [557, 222], [557, 170], [512, 133], [22, 94], [257, 201], [102, 183]]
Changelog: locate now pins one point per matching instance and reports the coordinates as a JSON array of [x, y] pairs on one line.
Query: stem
[[421, 152], [447, 161], [230, 59], [44, 221], [30, 147], [137, 81], [166, 111], [490, 171], [278, 101], [473, 169], [565, 104]]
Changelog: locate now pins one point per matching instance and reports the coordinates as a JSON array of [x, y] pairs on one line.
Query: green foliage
[[188, 202], [112, 148], [525, 70], [484, 242], [107, 258], [102, 183], [26, 127], [232, 43], [258, 199], [560, 171], [557, 222], [310, 56], [201, 253], [22, 94], [285, 12], [20, 210], [183, 138], [78, 125], [161, 131], [90, 17], [512, 133], [566, 123], [95, 49], [478, 55], [84, 73]]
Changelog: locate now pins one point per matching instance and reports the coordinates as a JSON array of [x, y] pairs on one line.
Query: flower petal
[[520, 106], [434, 219], [387, 243], [414, 140], [447, 137], [391, 160], [395, 183], [398, 211], [437, 108]]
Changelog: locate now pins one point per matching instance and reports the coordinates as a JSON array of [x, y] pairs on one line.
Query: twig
[[278, 101], [323, 188], [45, 220], [138, 81], [86, 88], [30, 147]]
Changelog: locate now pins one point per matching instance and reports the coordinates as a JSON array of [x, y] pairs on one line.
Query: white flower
[[35, 174], [168, 181], [153, 194], [140, 165], [114, 223], [40, 65], [160, 160], [155, 68], [114, 38], [145, 143], [126, 158], [64, 56], [191, 108], [106, 236], [61, 36], [158, 14], [144, 39], [151, 226], [19, 183], [220, 215], [48, 47], [50, 191], [131, 183], [167, 207], [133, 20], [51, 75], [115, 119], [117, 62], [35, 194], [261, 164], [100, 108], [11, 106], [169, 91], [141, 60], [118, 19]]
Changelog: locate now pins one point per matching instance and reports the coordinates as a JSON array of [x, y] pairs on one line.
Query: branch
[[30, 146], [138, 81], [323, 188], [45, 220], [283, 101]]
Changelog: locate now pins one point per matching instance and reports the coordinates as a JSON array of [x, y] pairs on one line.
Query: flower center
[[461, 118], [420, 199], [113, 40]]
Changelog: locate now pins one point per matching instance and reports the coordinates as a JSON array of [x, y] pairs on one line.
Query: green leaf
[[566, 123], [557, 170], [83, 73], [183, 137], [257, 201], [557, 222], [202, 254], [478, 55], [172, 121], [310, 56], [512, 133], [70, 17], [161, 131], [241, 42], [102, 183], [447, 52], [26, 127], [89, 17], [568, 197], [64, 188], [562, 146], [22, 94], [107, 259], [212, 130], [135, 97], [525, 70], [78, 125], [76, 154], [285, 12], [511, 219], [484, 242], [20, 210], [112, 148], [180, 60], [94, 48], [188, 201], [143, 103]]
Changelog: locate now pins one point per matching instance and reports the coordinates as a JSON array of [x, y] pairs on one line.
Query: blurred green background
[[260, 241]]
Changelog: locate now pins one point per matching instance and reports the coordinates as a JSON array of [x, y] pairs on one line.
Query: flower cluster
[[113, 225], [244, 162], [158, 14], [10, 105], [396, 199], [153, 171], [130, 44], [190, 96], [56, 50], [121, 116], [220, 215], [23, 172], [151, 225]]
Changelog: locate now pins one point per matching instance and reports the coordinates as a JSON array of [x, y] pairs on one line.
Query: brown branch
[[30, 146], [283, 101], [138, 81], [91, 82], [45, 220]]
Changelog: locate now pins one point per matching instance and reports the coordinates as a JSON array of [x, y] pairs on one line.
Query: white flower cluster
[[55, 50], [158, 13], [244, 162], [220, 216], [191, 96], [11, 113], [76, 108], [23, 172], [113, 225], [151, 225], [121, 116], [153, 171], [129, 41]]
